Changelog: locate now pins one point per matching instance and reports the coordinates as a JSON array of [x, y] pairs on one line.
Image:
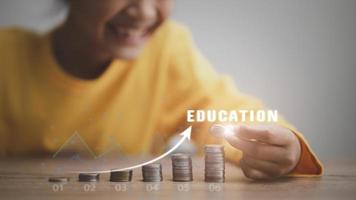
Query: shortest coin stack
[[214, 163], [88, 177], [121, 176], [182, 167], [152, 172], [58, 179]]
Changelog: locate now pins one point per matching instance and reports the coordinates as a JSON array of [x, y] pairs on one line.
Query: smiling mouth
[[130, 35]]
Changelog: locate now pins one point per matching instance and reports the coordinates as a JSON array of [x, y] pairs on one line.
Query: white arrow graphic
[[185, 135]]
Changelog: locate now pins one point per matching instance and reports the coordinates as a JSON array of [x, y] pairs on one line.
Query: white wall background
[[299, 56]]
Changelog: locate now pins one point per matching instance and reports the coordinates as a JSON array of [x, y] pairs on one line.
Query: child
[[123, 68]]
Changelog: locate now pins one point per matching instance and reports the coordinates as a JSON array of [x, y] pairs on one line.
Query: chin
[[128, 53]]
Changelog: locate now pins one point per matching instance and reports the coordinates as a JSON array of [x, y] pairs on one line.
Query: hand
[[269, 151]]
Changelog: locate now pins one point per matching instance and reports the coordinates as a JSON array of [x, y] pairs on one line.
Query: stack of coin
[[88, 177], [58, 179], [214, 163], [120, 176], [152, 172], [182, 167]]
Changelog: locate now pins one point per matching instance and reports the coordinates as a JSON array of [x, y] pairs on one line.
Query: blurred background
[[298, 56]]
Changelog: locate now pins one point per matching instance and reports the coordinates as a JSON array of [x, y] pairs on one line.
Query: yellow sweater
[[134, 103]]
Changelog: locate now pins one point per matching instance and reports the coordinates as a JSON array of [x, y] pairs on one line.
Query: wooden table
[[27, 178]]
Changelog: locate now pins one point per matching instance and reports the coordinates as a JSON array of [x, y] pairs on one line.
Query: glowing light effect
[[229, 130], [221, 131]]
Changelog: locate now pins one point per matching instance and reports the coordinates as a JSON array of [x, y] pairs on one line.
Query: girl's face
[[118, 27]]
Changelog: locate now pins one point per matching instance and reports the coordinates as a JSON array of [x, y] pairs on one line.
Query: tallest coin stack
[[214, 163]]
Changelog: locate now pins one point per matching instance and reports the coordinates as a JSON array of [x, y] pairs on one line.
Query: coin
[[212, 148], [58, 179], [214, 180], [121, 176], [214, 163], [88, 177], [182, 167], [152, 172], [218, 130]]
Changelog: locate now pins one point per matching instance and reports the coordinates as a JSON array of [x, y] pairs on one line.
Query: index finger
[[263, 133]]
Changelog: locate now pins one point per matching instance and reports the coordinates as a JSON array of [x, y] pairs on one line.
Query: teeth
[[135, 33], [130, 32]]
